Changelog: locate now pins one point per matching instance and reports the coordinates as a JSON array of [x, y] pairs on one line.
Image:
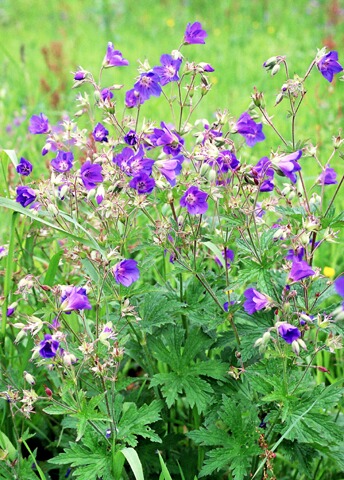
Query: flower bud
[[212, 175], [275, 69], [279, 98], [53, 209], [29, 378], [312, 224], [91, 194], [270, 63], [302, 343], [296, 347], [258, 98], [337, 142]]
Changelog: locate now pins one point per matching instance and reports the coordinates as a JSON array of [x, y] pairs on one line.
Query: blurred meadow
[[43, 42]]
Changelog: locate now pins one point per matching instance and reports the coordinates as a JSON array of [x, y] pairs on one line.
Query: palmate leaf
[[312, 428], [157, 309], [88, 464], [234, 433], [135, 421], [197, 391], [182, 355], [88, 412], [236, 458]]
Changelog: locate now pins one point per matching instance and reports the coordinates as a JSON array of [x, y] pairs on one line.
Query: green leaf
[[157, 309], [216, 251], [52, 269], [88, 412], [234, 433], [7, 446], [134, 462], [164, 469], [134, 422], [59, 410], [89, 462], [16, 207]]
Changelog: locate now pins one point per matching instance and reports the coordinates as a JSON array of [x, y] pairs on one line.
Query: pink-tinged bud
[[48, 392], [322, 369]]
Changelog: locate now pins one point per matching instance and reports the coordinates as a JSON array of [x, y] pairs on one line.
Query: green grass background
[[241, 35]]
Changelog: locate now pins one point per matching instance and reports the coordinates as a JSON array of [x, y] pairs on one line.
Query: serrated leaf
[[197, 391], [158, 309], [58, 410], [87, 464], [134, 422]]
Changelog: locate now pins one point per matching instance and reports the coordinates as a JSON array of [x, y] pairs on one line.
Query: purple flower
[[63, 161], [114, 58], [148, 85], [100, 133], [328, 65], [228, 255], [170, 168], [295, 255], [25, 196], [168, 72], [126, 272], [79, 75], [91, 174], [131, 138], [132, 163], [195, 201], [24, 167], [206, 67], [194, 34], [263, 174], [3, 251], [11, 309], [133, 98], [142, 183], [288, 332], [328, 176], [250, 130], [100, 194], [39, 124], [226, 305], [287, 165], [339, 286], [48, 347], [74, 298], [300, 270], [171, 142], [228, 161], [254, 301], [106, 94]]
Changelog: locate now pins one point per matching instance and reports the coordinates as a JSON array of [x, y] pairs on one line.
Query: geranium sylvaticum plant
[[174, 301]]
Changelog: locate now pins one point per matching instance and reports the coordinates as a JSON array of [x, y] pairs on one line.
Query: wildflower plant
[[176, 303]]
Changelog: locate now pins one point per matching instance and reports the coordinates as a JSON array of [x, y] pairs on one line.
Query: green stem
[[8, 278]]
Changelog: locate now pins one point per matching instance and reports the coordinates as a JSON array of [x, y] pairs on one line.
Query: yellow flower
[[329, 272], [170, 22]]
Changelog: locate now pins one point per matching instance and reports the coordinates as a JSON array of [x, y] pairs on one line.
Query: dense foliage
[[168, 298]]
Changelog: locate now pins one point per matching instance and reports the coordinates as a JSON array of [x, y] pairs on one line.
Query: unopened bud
[[53, 209], [296, 347], [270, 62], [91, 194], [279, 98], [29, 378], [337, 142], [275, 69]]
